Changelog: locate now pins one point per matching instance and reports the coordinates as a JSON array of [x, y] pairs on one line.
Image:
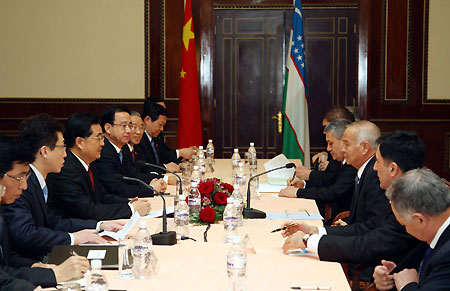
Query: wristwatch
[[305, 239]]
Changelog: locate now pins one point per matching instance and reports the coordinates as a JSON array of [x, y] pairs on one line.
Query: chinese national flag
[[189, 117]]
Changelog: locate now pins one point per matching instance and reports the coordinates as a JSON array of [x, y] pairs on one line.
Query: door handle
[[279, 117]]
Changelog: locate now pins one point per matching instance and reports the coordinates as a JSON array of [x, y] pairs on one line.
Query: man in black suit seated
[[116, 123], [340, 193], [34, 228], [76, 191], [420, 202], [379, 237], [19, 273], [152, 148], [329, 167]]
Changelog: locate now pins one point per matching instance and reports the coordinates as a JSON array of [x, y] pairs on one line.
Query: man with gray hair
[[420, 202], [339, 194]]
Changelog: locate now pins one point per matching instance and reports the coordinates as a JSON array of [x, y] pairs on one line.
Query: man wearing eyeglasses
[[37, 228], [116, 124], [19, 273], [76, 191]]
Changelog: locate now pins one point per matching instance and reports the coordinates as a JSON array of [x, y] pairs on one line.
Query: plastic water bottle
[[241, 176], [195, 176], [210, 152], [142, 252], [235, 160], [252, 160], [239, 202], [181, 217], [254, 187], [237, 264], [201, 162], [96, 281], [230, 218], [194, 202]]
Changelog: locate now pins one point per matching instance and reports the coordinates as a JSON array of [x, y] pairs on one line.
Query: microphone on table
[[255, 213], [141, 164], [165, 237]]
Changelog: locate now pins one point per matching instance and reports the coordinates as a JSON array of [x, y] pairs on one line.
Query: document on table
[[269, 188], [125, 230], [295, 216], [159, 212], [278, 177]]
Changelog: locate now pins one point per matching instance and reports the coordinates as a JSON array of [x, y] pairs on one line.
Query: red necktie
[[133, 154], [91, 176]]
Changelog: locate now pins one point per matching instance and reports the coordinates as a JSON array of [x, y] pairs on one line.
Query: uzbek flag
[[295, 103]]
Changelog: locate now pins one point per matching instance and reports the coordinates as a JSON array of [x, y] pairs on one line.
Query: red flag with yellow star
[[189, 116]]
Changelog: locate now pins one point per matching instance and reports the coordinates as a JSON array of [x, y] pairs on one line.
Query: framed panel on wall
[[74, 51]]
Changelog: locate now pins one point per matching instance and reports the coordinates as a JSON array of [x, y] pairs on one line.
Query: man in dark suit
[[76, 191], [329, 168], [34, 229], [116, 122], [420, 202], [339, 194], [18, 273], [381, 236], [152, 148]]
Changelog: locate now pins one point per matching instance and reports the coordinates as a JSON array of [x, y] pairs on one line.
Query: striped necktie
[[154, 151]]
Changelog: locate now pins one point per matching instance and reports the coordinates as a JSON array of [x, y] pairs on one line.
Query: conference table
[[199, 265]]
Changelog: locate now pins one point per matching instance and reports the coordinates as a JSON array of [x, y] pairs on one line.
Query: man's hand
[[296, 182], [186, 153], [324, 165], [173, 167], [289, 191], [294, 241], [142, 207], [302, 172], [88, 235], [405, 277], [383, 280], [319, 155], [112, 225], [304, 228], [159, 185], [71, 269], [340, 222], [172, 180]]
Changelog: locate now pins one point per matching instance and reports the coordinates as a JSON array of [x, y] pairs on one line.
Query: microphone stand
[[165, 237], [141, 164], [251, 213]]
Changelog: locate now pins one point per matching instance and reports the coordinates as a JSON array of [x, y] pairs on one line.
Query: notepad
[[159, 212], [295, 216]]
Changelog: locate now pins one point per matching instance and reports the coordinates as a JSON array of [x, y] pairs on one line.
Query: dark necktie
[[354, 199], [154, 151], [424, 261], [91, 176]]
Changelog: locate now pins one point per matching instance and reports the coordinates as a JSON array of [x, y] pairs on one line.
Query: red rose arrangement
[[214, 199]]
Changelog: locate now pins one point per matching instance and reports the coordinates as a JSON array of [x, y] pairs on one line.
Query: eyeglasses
[[134, 127], [63, 146], [123, 126], [98, 138], [19, 178]]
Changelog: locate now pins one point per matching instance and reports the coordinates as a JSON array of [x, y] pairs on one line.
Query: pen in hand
[[284, 227]]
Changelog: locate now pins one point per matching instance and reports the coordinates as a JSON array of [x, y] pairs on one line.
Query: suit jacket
[[109, 165], [339, 194], [327, 177], [435, 274], [71, 194], [165, 154], [33, 228], [15, 271], [370, 200], [380, 237]]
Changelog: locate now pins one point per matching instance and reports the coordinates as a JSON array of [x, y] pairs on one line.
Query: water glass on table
[[126, 259]]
